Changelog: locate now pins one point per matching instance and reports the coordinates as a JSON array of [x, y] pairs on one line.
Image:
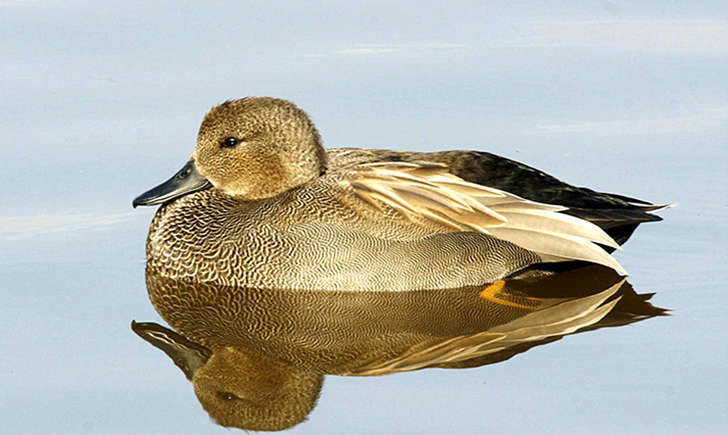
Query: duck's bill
[[186, 180]]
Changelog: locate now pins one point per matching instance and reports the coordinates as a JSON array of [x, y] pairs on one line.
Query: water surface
[[99, 103]]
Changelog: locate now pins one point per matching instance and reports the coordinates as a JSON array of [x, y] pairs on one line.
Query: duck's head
[[236, 386], [251, 148]]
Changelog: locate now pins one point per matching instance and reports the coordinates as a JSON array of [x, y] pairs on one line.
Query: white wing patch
[[427, 190]]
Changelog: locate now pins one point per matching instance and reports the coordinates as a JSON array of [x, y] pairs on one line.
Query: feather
[[428, 191]]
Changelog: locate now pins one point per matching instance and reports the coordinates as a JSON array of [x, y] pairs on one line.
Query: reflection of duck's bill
[[186, 180], [186, 354]]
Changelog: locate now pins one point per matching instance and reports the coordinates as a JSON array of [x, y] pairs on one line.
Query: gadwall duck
[[261, 204]]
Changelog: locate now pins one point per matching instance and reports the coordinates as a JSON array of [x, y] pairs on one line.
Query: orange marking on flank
[[490, 293]]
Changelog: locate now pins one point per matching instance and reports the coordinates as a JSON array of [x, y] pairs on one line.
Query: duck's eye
[[227, 396], [229, 142]]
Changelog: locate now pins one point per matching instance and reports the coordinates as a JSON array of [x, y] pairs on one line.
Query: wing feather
[[425, 190]]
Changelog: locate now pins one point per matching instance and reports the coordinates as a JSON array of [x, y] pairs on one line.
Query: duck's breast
[[318, 238]]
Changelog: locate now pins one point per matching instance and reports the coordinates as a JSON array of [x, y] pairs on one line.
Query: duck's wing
[[428, 191], [618, 215]]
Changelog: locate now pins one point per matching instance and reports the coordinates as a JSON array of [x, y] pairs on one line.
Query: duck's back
[[618, 215]]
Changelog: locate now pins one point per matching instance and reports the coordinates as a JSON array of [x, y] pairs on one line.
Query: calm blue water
[[99, 103]]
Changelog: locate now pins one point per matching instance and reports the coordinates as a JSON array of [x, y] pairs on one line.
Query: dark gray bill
[[187, 355], [186, 180]]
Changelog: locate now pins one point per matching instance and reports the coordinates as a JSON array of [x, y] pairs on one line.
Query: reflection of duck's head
[[252, 392], [237, 387], [258, 147]]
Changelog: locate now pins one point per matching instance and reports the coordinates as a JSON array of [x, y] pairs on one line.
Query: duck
[[262, 204]]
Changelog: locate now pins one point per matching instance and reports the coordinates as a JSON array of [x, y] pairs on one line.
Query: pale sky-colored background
[[101, 100]]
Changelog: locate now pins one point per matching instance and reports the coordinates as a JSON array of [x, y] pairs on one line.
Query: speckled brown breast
[[318, 237]]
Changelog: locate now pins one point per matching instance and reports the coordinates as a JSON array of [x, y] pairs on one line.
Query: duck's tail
[[620, 223]]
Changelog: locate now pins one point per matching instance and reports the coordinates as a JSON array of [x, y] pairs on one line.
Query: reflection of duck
[[262, 366], [284, 213]]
